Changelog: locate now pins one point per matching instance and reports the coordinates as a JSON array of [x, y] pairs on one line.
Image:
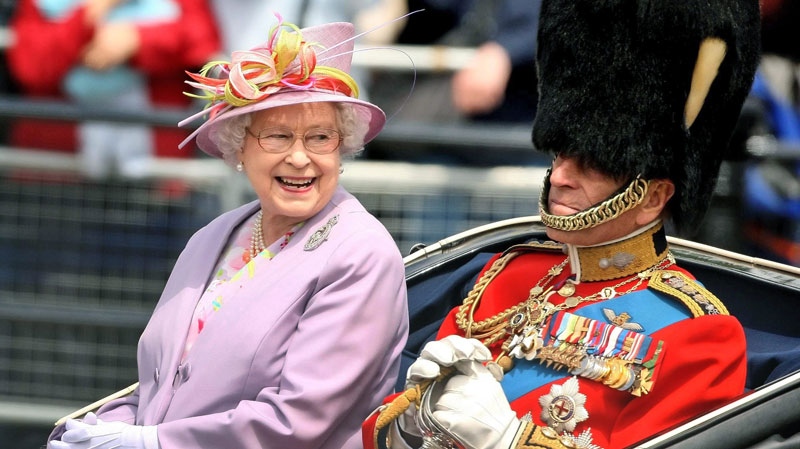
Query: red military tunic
[[695, 350]]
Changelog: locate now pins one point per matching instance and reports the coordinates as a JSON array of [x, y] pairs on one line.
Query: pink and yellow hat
[[294, 66]]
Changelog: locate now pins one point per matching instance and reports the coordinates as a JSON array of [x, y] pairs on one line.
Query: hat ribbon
[[285, 62]]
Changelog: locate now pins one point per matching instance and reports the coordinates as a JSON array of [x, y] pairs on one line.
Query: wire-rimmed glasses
[[278, 139]]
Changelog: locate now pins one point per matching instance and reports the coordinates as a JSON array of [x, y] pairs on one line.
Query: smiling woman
[[297, 301], [295, 183]]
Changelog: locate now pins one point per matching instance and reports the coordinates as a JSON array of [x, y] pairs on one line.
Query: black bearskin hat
[[647, 87]]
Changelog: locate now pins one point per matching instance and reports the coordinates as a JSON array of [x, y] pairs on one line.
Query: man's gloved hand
[[93, 433], [449, 351], [474, 409]]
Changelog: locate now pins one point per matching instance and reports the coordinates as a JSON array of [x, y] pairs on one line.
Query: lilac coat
[[297, 359]]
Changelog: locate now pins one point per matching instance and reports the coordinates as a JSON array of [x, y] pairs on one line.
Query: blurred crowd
[[134, 54], [126, 54], [770, 179]]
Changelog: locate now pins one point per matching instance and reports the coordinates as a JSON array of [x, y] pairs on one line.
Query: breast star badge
[[563, 408]]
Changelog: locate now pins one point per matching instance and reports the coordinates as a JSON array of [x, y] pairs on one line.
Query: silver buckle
[[434, 435]]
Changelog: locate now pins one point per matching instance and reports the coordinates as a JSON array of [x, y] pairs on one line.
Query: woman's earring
[[240, 167], [341, 169]]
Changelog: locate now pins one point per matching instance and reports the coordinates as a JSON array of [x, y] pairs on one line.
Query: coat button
[[181, 375], [185, 370]]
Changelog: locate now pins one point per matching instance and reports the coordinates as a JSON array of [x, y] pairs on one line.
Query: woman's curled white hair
[[230, 134]]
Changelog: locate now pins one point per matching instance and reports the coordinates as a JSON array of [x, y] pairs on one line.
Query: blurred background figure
[[778, 83], [493, 89], [499, 83], [771, 177], [243, 23], [130, 54]]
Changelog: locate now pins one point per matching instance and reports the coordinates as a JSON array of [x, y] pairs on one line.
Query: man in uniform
[[600, 340]]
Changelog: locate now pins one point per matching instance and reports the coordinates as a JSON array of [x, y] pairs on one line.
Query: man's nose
[[563, 171]]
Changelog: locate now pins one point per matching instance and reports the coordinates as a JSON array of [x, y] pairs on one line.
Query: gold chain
[[535, 309], [574, 301], [493, 328]]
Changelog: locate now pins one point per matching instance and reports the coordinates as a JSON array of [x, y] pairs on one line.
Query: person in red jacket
[[108, 52], [597, 339]]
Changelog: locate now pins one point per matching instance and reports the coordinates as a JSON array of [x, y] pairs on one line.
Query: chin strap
[[606, 211]]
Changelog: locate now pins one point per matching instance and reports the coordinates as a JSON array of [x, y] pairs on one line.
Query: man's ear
[[658, 195]]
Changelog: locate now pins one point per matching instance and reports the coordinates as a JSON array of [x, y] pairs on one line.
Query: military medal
[[568, 289]]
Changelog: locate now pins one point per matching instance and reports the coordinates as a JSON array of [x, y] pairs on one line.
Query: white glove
[[449, 351], [475, 410], [93, 433]]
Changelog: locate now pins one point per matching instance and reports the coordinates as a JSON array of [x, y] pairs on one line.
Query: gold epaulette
[[548, 246], [688, 291]]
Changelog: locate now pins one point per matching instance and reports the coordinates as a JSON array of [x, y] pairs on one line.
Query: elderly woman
[[282, 323]]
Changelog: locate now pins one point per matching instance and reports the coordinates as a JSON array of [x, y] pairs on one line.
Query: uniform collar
[[620, 258]]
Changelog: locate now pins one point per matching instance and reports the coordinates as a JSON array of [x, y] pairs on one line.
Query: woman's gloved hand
[[94, 433]]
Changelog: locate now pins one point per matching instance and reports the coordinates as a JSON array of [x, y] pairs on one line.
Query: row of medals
[[526, 327]]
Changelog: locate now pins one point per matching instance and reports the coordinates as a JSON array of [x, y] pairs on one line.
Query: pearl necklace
[[257, 239]]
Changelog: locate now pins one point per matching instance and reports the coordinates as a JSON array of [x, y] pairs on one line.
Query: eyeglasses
[[279, 139]]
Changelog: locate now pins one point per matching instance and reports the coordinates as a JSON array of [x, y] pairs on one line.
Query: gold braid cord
[[398, 406], [605, 211], [412, 395], [492, 329]]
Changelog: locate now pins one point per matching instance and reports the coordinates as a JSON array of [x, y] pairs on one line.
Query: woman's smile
[[296, 184]]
